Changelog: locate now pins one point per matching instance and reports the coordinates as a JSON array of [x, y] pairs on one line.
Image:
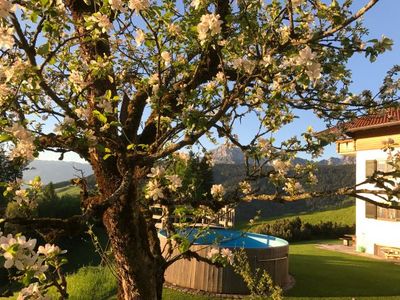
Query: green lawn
[[324, 273], [320, 274], [345, 216]]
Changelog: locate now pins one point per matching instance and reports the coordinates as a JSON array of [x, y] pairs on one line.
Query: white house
[[377, 228]]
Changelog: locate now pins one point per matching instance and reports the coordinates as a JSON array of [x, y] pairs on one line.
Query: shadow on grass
[[323, 274]]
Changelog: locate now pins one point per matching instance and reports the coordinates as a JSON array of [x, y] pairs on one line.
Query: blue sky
[[383, 19]]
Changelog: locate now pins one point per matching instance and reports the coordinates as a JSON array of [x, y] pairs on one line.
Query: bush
[[60, 207], [295, 230]]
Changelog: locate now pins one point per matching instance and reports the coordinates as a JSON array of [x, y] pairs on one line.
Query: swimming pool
[[265, 252]]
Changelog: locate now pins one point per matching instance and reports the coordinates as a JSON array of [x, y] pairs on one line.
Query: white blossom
[[314, 71], [14, 72], [76, 78], [213, 251], [154, 79], [139, 37], [174, 29], [196, 4], [6, 37], [245, 187], [175, 182], [117, 5], [24, 147], [292, 187], [281, 166], [106, 105], [139, 5], [296, 3], [156, 172], [312, 178], [21, 196], [6, 8], [210, 24], [217, 191], [166, 56], [307, 59], [32, 292], [4, 93], [102, 21], [220, 77], [50, 250], [227, 253], [83, 113], [154, 190]]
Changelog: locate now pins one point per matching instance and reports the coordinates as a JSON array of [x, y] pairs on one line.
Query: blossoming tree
[[126, 84]]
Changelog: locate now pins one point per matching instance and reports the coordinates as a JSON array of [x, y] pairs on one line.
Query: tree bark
[[137, 253]]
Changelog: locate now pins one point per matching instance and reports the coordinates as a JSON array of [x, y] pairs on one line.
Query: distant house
[[377, 228]]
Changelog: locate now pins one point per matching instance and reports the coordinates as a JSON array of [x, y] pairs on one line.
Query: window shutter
[[370, 167], [370, 210], [397, 214]]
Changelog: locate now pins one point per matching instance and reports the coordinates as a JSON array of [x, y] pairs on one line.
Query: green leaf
[[44, 2], [184, 245], [43, 49], [107, 156], [4, 137], [34, 17], [108, 94], [102, 118]]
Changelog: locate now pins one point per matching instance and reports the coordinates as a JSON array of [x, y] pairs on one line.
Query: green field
[[345, 216], [68, 190]]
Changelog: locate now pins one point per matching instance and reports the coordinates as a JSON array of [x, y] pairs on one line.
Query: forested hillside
[[329, 177]]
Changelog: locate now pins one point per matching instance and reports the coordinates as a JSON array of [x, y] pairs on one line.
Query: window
[[377, 165], [370, 210], [389, 214], [370, 167], [384, 166]]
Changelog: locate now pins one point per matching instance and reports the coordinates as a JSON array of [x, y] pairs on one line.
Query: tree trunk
[[138, 258]]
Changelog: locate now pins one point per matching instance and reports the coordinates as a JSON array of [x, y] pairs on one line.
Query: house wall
[[372, 231]]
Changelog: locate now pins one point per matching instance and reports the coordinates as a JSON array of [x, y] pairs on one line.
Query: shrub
[[295, 230], [59, 207]]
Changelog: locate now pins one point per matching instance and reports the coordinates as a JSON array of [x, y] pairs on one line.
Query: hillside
[[332, 173], [55, 171], [345, 216], [330, 177]]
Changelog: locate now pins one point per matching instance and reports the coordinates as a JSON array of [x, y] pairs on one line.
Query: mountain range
[[233, 155], [56, 171]]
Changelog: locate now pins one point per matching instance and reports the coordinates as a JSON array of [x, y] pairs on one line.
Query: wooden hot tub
[[264, 252]]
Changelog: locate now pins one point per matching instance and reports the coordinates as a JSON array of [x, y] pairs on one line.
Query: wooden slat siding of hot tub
[[202, 276], [278, 269]]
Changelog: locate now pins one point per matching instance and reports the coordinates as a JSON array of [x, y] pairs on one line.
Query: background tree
[[128, 83], [9, 171]]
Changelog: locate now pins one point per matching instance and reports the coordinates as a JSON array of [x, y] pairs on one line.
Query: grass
[[320, 274], [68, 190], [345, 216], [90, 283], [323, 273]]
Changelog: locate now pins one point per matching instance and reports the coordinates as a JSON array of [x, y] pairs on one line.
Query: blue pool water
[[227, 238]]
